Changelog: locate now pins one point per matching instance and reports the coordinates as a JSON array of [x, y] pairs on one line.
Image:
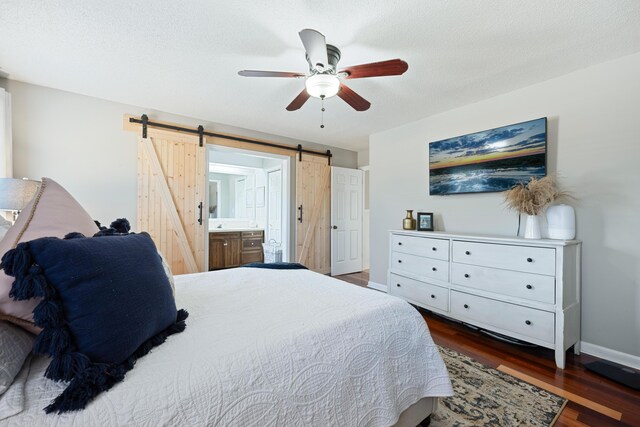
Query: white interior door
[[347, 199], [274, 205], [240, 205]]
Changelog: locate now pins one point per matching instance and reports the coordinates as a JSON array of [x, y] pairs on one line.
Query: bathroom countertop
[[233, 229]]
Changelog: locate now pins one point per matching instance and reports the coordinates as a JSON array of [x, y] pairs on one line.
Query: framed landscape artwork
[[488, 161]]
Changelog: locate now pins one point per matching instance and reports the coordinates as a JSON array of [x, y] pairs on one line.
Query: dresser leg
[[560, 357], [576, 348]]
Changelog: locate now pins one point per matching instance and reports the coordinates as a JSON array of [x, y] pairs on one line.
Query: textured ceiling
[[183, 56]]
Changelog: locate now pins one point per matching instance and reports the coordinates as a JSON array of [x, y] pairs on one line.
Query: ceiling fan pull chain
[[322, 113]]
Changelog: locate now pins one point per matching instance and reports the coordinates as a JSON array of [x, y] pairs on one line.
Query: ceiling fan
[[323, 79]]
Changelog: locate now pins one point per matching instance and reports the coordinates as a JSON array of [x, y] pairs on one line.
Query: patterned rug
[[487, 397]]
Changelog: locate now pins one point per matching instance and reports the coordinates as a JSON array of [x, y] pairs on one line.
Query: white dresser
[[526, 289]]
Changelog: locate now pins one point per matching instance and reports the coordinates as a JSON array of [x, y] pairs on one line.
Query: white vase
[[532, 227], [562, 222]]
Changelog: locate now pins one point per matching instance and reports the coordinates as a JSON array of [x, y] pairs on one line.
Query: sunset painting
[[487, 161]]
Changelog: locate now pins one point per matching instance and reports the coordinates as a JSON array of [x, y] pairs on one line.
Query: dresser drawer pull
[[529, 287], [433, 296], [528, 322], [467, 253], [434, 269], [466, 306], [466, 275], [434, 249], [399, 261], [398, 284], [399, 243], [529, 259]]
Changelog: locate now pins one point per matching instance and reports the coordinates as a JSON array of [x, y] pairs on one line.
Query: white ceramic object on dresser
[[532, 227], [523, 288], [562, 222]]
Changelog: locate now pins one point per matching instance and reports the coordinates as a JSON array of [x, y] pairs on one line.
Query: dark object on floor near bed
[[616, 372], [276, 265], [106, 302]]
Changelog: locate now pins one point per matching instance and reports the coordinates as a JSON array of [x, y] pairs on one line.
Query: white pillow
[[15, 346], [4, 227]]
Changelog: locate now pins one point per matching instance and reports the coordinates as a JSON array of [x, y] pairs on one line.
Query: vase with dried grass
[[531, 199]]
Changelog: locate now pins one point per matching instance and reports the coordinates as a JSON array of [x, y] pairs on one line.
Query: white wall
[[79, 141], [594, 145], [363, 158], [6, 163]]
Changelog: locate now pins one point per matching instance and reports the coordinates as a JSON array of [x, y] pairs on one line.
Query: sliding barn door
[[313, 234], [171, 179]]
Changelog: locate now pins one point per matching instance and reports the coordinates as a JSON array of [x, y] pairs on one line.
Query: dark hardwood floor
[[593, 400]]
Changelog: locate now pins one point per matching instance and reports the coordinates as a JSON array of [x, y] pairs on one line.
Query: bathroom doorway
[[252, 193]]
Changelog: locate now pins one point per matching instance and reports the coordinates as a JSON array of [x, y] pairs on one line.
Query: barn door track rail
[[201, 132]]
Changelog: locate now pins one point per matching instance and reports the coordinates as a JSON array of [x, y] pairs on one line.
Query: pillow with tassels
[[122, 226], [106, 301]]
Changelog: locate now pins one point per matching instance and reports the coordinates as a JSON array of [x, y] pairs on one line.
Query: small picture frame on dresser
[[425, 221]]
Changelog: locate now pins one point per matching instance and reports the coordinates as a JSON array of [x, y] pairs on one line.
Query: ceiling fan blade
[[350, 97], [257, 73], [298, 101], [316, 47], [393, 67]]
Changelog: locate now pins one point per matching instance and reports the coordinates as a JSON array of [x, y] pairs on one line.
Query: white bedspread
[[264, 348]]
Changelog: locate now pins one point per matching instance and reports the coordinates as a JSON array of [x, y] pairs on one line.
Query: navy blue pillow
[[276, 265], [106, 302]]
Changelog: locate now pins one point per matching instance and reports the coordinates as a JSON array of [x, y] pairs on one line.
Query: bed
[[265, 348]]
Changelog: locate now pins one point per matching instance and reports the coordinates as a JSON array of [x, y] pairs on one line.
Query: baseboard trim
[[608, 354], [377, 286]]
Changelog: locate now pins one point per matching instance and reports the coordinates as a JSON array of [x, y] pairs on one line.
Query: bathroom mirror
[[231, 196]]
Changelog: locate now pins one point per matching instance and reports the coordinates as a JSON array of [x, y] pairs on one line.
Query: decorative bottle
[[409, 223]]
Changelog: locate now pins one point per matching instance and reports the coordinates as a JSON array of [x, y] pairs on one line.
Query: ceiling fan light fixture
[[322, 85]]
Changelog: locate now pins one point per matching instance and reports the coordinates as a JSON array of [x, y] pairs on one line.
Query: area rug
[[487, 397]]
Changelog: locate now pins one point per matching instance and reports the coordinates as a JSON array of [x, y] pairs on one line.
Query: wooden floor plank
[[560, 392]]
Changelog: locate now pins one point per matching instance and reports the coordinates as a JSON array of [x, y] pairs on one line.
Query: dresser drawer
[[524, 321], [246, 234], [509, 257], [250, 245], [533, 287], [248, 257], [423, 293], [421, 246], [420, 266]]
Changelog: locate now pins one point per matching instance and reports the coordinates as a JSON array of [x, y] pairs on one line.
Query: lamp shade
[[322, 85], [16, 193]]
